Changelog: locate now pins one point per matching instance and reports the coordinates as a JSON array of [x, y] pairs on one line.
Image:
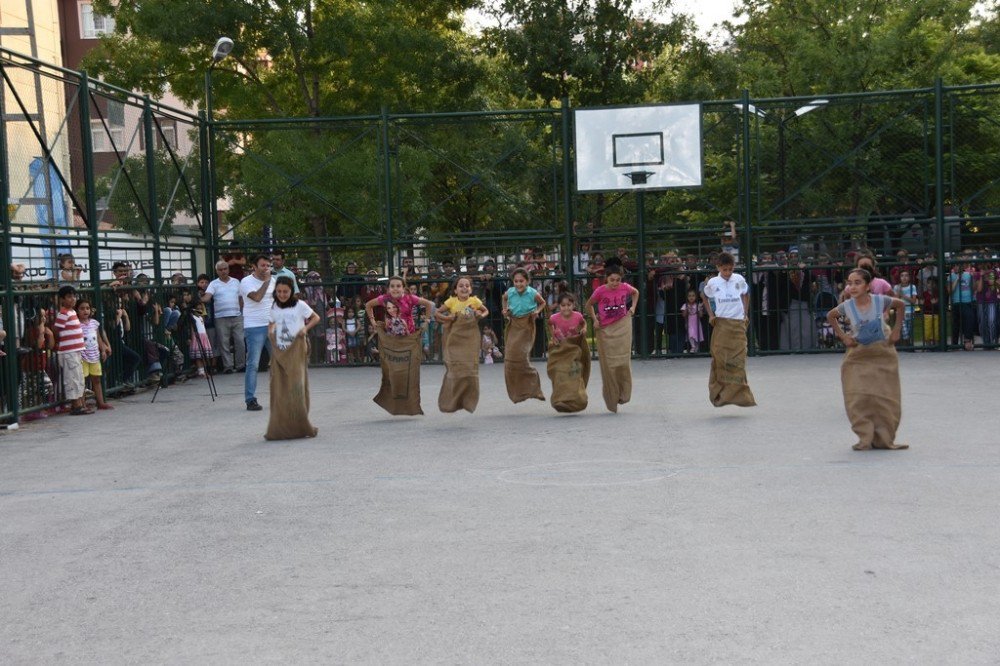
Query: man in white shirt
[[257, 290], [228, 310]]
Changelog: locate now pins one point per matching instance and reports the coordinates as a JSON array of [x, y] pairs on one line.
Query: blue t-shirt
[[521, 304], [962, 291]]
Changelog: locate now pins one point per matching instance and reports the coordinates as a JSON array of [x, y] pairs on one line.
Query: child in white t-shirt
[[726, 299]]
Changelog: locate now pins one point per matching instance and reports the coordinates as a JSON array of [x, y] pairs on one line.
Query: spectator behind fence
[[961, 286], [279, 269], [931, 312], [70, 346], [224, 293], [257, 290], [96, 349], [351, 283], [236, 261], [906, 292], [799, 329], [987, 295], [69, 272]]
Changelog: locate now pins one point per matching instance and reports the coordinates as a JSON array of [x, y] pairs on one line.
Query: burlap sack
[[870, 378], [400, 357], [614, 351], [460, 388], [727, 381], [289, 416], [569, 370], [522, 379]]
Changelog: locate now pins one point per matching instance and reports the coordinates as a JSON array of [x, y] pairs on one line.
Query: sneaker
[[254, 406]]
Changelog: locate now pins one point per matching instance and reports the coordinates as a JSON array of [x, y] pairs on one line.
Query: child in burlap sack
[[870, 371], [726, 299]]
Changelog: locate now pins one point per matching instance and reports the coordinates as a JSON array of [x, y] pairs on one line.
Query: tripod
[[208, 370]]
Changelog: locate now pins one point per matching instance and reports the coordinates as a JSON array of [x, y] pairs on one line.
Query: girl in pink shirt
[[568, 322], [611, 299]]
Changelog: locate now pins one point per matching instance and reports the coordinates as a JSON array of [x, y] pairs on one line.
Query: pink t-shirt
[[611, 304], [563, 328], [406, 304]]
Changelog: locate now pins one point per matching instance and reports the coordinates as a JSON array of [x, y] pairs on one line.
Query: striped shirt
[[70, 333]]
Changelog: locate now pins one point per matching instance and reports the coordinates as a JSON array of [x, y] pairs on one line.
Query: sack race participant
[[869, 373], [459, 316], [726, 299], [569, 357], [400, 348], [289, 323], [521, 305], [613, 321]]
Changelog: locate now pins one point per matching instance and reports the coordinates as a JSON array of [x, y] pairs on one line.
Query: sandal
[[862, 447], [80, 411]]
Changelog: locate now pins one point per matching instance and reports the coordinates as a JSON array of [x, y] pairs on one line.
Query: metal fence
[[809, 184]]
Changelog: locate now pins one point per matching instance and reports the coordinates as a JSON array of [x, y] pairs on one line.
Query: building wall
[[23, 146]]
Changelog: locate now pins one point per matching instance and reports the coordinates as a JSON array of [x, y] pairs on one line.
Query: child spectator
[[336, 336], [352, 329], [693, 311], [870, 369], [69, 341], [68, 270], [931, 312], [96, 349], [490, 345], [987, 295], [200, 348], [906, 292]]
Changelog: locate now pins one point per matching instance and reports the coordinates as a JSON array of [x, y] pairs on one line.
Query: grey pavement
[[672, 532]]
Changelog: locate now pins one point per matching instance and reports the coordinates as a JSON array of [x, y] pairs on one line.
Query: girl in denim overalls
[[870, 370]]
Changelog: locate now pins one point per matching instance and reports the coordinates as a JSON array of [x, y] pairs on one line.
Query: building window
[[170, 133], [112, 138], [92, 24]]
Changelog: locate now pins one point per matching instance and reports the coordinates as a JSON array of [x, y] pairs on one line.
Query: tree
[[296, 58], [125, 192]]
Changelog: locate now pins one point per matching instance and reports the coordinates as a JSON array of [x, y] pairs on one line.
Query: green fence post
[[387, 197], [943, 314], [90, 192], [567, 193], [10, 360], [154, 214], [207, 220], [745, 210]]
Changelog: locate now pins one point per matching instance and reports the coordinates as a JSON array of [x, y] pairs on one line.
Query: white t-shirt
[[255, 313], [727, 295], [225, 297], [289, 321]]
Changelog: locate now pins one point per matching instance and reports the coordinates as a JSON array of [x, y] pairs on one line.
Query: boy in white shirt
[[727, 300]]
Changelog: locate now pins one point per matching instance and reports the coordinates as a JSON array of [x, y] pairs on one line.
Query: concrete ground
[[672, 532]]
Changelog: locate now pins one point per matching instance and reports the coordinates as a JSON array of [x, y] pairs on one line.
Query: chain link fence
[[799, 189]]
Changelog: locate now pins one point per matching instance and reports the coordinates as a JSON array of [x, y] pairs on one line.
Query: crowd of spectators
[[151, 328]]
